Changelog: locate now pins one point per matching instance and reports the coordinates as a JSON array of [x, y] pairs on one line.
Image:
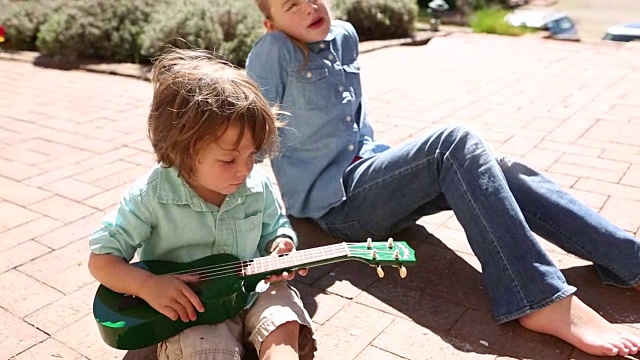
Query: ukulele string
[[208, 275], [235, 268]]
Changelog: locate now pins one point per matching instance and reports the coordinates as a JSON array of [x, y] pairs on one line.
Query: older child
[[207, 123], [333, 171]]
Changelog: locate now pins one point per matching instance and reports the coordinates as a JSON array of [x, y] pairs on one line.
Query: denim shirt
[[326, 125], [161, 218]]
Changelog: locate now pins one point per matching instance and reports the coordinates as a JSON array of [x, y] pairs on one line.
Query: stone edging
[[142, 71]]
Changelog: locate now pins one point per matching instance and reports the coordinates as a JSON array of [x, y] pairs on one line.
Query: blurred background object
[[557, 23], [623, 32]]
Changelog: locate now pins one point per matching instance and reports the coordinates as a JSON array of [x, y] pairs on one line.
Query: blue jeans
[[498, 202]]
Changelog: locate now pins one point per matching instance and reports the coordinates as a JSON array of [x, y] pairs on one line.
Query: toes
[[632, 343], [621, 346], [612, 350], [627, 345]]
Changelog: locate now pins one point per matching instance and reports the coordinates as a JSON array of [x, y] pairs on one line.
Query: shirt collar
[[319, 46], [172, 189]]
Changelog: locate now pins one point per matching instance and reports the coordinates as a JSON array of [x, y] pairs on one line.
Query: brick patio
[[70, 141]]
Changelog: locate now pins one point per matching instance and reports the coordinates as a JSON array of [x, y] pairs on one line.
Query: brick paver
[[70, 141]]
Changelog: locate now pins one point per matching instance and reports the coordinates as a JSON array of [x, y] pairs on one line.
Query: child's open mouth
[[317, 23]]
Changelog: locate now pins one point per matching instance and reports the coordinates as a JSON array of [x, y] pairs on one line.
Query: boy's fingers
[[180, 309], [272, 278], [284, 246], [193, 301], [185, 308], [170, 313]]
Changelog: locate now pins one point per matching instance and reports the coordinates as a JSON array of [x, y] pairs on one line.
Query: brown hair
[[265, 8], [196, 97]]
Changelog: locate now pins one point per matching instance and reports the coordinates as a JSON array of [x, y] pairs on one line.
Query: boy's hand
[[171, 296], [285, 245]]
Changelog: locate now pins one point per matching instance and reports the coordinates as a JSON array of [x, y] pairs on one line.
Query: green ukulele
[[127, 322]]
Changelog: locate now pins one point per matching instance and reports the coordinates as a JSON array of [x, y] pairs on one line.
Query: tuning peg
[[380, 271], [374, 254], [403, 271], [369, 243], [396, 254], [390, 243]]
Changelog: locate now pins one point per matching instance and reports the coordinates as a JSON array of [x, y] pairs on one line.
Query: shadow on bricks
[[443, 294]]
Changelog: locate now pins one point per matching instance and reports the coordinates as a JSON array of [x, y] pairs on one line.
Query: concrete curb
[[142, 71]]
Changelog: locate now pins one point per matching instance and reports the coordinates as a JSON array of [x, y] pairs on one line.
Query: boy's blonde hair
[[196, 97]]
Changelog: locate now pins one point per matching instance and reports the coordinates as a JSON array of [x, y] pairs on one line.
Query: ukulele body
[[128, 323]]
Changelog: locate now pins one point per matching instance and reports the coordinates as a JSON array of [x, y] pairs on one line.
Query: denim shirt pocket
[[248, 231], [352, 77], [311, 89]]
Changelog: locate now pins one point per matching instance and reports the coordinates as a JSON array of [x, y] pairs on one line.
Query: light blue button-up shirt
[[327, 123], [161, 218]]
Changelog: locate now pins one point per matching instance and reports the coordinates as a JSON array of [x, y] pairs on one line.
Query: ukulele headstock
[[379, 253]]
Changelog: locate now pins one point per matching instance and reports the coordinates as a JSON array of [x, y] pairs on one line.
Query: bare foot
[[574, 322]]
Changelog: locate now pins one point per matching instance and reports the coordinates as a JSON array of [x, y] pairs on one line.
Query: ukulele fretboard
[[298, 258]]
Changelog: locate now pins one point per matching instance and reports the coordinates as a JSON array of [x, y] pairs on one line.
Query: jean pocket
[[352, 230]]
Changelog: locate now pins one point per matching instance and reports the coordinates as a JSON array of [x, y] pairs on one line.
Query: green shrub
[[96, 29], [22, 20], [378, 19], [227, 27], [492, 21]]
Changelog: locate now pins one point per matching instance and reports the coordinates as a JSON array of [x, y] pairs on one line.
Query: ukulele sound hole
[[128, 302]]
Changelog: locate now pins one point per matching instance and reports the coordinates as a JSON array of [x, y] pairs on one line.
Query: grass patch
[[492, 21]]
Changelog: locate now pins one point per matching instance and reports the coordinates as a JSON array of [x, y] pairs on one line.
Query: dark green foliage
[[22, 20], [137, 30], [378, 19], [96, 29], [227, 27]]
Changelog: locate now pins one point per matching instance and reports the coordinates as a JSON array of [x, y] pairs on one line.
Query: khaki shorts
[[277, 304]]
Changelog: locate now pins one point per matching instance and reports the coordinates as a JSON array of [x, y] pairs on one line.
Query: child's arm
[[114, 244], [268, 64], [278, 237], [168, 294], [275, 225]]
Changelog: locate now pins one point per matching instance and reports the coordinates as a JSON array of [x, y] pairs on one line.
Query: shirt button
[[322, 46], [351, 147], [348, 118], [309, 74], [331, 57], [341, 88]]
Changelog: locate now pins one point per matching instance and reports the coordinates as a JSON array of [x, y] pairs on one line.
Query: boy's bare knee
[[281, 343]]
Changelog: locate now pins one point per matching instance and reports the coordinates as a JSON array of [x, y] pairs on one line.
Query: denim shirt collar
[[321, 45], [170, 185]]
